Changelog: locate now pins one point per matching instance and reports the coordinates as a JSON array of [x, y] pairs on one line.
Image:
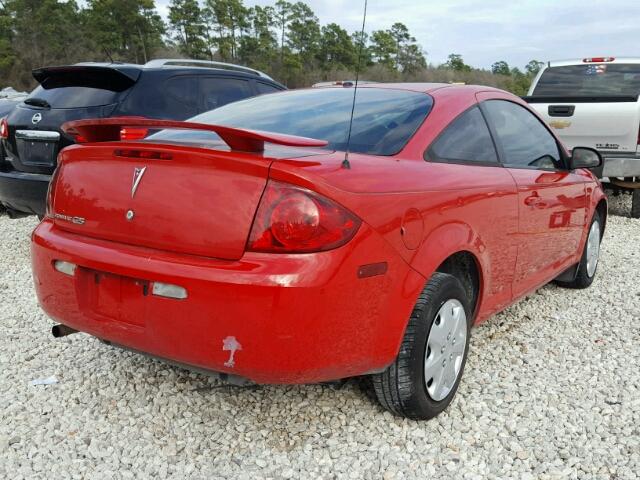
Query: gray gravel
[[551, 391]]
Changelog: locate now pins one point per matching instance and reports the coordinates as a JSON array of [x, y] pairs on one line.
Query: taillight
[[598, 59], [292, 219], [151, 154], [4, 128], [133, 133], [51, 192]]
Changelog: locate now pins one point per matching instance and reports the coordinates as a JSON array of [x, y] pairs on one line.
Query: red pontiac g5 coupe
[[244, 242]]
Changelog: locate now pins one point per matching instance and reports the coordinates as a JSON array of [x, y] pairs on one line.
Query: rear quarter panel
[[428, 211]]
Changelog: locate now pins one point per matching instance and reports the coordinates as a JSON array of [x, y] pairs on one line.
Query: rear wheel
[[590, 257], [423, 379]]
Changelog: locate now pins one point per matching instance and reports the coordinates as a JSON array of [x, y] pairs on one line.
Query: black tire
[[401, 388], [582, 279], [635, 203]]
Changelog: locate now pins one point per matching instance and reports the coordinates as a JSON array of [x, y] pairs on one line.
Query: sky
[[490, 30]]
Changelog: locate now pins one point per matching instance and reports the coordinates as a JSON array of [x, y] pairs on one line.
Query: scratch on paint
[[231, 345]]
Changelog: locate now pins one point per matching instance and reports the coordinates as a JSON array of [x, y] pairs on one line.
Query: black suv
[[163, 89]]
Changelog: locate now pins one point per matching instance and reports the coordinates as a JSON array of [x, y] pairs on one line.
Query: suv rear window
[[75, 97], [590, 79], [384, 120]]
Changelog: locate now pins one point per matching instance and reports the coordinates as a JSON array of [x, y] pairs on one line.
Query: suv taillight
[[4, 128], [292, 219]]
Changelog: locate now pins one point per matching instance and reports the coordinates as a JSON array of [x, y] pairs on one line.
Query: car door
[[552, 204], [486, 198]]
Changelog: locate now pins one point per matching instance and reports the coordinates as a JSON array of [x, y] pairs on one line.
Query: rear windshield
[[383, 121], [75, 97], [613, 79]]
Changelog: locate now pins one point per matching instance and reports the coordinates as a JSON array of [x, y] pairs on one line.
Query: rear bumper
[[285, 318], [24, 192], [621, 165]]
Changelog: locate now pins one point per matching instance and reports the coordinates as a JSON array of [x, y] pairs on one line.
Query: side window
[[181, 96], [466, 139], [218, 91], [266, 88], [525, 141]]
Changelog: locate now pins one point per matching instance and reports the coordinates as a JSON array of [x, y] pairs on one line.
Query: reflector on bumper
[[167, 290], [65, 267]]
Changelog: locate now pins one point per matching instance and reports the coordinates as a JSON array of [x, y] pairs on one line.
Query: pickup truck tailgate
[[606, 126], [591, 102]]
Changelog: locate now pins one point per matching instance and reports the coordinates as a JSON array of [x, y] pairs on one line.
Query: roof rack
[[163, 62]]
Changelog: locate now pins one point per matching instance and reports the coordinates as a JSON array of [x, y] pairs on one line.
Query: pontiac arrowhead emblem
[[137, 176]]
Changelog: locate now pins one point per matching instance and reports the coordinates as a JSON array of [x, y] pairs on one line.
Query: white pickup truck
[[594, 102]]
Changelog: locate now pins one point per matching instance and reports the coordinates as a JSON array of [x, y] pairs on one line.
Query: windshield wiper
[[37, 102]]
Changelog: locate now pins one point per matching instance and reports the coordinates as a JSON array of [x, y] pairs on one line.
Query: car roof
[[184, 65], [581, 61], [430, 88]]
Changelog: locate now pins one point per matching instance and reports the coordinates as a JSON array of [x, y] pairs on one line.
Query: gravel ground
[[551, 391]]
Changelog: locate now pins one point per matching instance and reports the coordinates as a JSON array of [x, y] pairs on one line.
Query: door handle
[[535, 201]]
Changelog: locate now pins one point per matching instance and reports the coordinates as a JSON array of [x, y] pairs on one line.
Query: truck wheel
[[423, 379], [635, 203], [590, 256]]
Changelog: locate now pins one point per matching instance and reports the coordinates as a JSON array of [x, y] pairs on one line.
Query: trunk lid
[[193, 200]]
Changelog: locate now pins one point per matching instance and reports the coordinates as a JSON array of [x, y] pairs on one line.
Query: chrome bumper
[[621, 166]]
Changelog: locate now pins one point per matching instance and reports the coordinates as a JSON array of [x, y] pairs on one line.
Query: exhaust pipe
[[62, 331]]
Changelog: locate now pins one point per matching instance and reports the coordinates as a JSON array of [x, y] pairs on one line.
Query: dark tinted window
[[265, 88], [466, 139], [218, 91], [75, 97], [183, 89], [384, 120], [173, 98], [614, 79], [524, 139]]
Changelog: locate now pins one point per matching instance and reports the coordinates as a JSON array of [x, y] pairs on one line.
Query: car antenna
[[345, 162]]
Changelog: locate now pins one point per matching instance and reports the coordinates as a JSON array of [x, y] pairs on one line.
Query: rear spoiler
[[108, 130], [116, 78]]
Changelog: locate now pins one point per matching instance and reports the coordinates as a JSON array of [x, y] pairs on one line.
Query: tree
[[400, 34], [230, 19], [533, 67], [519, 83], [384, 48], [409, 56], [186, 23], [37, 33], [500, 68], [455, 62], [304, 31], [129, 30], [412, 59], [258, 46], [336, 48], [282, 18]]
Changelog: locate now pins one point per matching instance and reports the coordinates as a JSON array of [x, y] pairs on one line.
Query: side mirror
[[585, 157]]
